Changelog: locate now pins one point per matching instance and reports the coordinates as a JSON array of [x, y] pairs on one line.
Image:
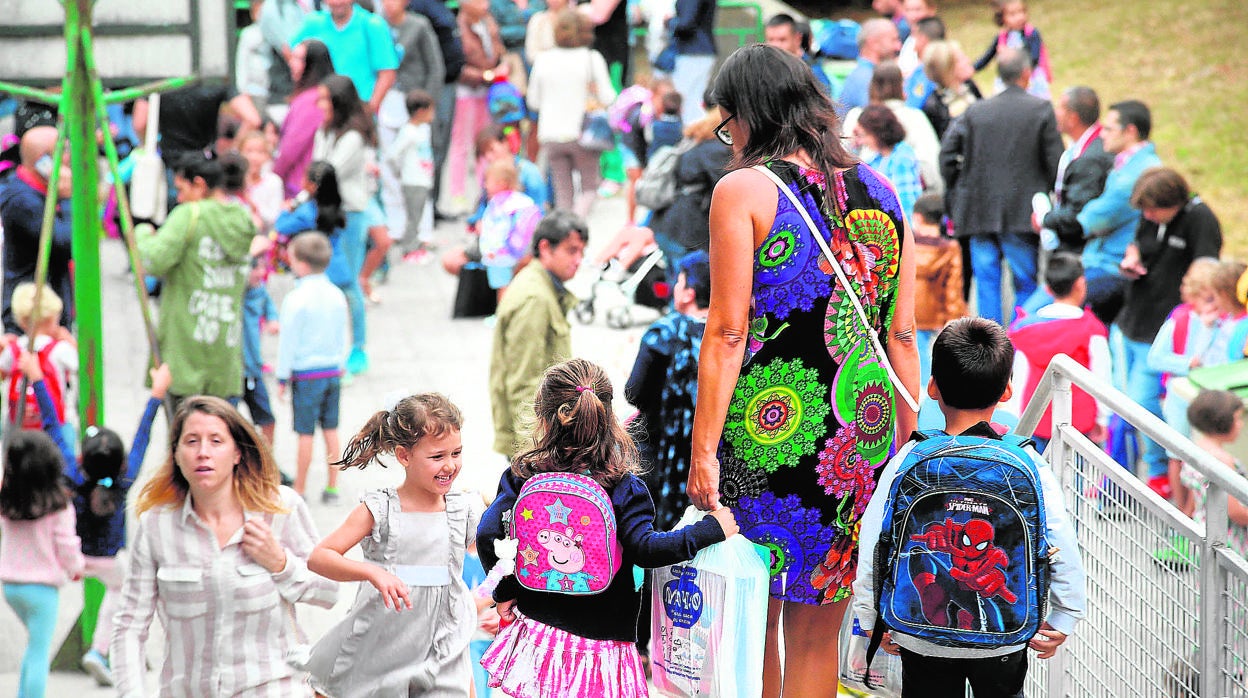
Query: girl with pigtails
[[408, 631]]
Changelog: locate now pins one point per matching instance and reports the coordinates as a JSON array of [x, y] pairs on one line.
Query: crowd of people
[[862, 209]]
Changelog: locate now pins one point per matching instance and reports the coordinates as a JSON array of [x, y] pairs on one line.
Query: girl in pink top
[[39, 549], [309, 64]]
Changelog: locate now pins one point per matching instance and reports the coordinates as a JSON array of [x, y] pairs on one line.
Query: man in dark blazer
[[1081, 171], [995, 157]]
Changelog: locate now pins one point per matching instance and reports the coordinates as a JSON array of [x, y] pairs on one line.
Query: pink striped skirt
[[529, 659]]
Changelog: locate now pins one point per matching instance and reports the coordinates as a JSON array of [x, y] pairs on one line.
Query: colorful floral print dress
[[811, 420]]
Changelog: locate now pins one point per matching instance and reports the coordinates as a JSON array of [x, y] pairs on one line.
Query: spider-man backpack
[[565, 526], [962, 559]]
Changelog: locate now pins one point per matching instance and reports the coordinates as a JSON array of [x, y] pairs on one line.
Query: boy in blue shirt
[[972, 360], [312, 355]]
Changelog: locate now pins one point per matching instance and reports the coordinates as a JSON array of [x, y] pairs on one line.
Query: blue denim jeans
[[354, 239], [1143, 385], [1019, 251]]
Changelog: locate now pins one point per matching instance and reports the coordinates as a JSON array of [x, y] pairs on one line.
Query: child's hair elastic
[[582, 388]]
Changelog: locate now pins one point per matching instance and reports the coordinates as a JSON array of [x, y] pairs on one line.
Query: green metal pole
[[123, 207], [133, 93], [42, 96], [79, 108]]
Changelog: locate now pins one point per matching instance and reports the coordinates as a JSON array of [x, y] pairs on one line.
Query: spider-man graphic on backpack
[[976, 567]]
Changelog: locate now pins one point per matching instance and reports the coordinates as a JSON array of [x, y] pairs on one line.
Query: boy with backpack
[[58, 355], [1064, 326], [967, 554]]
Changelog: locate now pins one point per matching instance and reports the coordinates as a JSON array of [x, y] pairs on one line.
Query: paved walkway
[[413, 346]]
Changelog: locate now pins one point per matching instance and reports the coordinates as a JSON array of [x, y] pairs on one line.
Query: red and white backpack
[[32, 418]]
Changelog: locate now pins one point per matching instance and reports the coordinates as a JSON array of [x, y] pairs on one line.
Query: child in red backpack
[[1197, 333], [1064, 326], [58, 354], [561, 643]]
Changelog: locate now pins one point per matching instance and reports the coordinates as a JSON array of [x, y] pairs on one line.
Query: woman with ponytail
[[559, 642], [413, 538]]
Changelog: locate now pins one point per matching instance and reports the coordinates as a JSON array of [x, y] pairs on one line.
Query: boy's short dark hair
[[972, 360], [1064, 270], [313, 249], [696, 266], [931, 207], [1213, 412], [672, 103], [417, 100]]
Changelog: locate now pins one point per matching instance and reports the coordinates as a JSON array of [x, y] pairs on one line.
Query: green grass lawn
[[1187, 60]]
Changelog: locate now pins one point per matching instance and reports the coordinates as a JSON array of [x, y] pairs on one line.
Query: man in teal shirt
[[360, 45]]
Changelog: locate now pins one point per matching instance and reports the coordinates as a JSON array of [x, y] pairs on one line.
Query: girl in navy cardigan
[[560, 644]]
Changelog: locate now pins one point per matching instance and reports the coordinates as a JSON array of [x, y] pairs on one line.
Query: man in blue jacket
[[1109, 221]]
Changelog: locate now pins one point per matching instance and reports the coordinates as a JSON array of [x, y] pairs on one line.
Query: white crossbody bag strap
[[849, 290]]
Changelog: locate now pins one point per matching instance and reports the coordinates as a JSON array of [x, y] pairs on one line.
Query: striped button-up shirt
[[228, 621]]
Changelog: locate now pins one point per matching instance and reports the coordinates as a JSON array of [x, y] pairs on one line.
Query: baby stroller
[[644, 284]]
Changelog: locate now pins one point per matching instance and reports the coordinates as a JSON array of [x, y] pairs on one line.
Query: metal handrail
[[1216, 560], [1215, 470]]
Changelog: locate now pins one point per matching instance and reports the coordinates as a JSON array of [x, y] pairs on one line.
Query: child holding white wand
[[413, 537]]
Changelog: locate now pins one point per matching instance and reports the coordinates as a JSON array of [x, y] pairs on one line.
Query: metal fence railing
[[1157, 625]]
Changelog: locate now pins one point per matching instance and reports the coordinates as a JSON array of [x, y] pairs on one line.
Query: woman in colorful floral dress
[[796, 413]]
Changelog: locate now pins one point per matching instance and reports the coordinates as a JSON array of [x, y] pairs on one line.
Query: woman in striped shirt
[[220, 555]]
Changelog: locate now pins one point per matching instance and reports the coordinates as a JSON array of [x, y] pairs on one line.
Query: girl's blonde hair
[[1200, 277], [577, 430], [412, 419], [939, 59], [505, 170], [256, 477], [1225, 284], [23, 304]]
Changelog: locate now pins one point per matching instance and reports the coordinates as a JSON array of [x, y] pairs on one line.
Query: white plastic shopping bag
[[885, 667], [709, 621]]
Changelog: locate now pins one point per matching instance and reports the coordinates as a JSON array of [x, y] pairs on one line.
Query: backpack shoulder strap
[[1182, 325], [1018, 440]]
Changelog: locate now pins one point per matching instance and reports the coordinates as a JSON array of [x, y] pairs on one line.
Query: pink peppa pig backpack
[[564, 525]]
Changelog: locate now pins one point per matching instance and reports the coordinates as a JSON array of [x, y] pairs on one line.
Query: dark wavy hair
[[103, 457], [34, 484], [329, 215], [348, 110], [317, 65], [577, 431], [880, 121], [779, 101]]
